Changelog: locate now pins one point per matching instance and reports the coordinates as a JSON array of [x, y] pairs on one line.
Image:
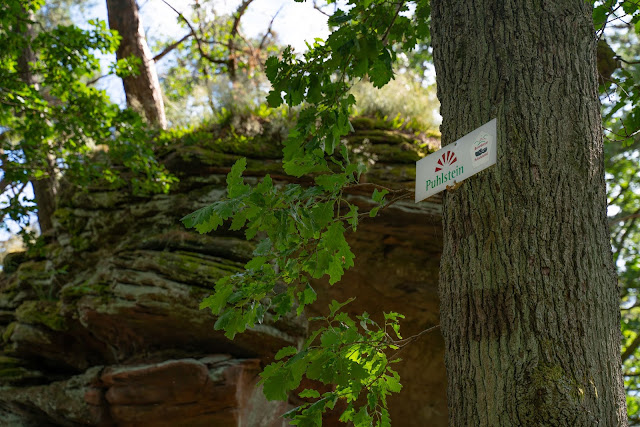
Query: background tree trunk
[[529, 302], [44, 189], [142, 91]]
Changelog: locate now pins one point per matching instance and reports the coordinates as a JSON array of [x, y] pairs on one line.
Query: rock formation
[[100, 324]]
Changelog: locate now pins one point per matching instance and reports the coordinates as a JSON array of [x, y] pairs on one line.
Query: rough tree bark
[[529, 302], [143, 90]]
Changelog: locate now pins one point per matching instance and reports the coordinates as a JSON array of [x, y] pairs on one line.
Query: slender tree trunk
[[44, 189], [529, 302], [143, 91]]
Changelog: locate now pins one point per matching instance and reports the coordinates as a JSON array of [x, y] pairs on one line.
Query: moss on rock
[[45, 313], [69, 220], [186, 266], [73, 291], [6, 335], [32, 272], [247, 146], [13, 260], [10, 375], [370, 123], [12, 371], [403, 153], [380, 137]]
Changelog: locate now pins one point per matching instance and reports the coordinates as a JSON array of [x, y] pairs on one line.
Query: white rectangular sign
[[448, 166]]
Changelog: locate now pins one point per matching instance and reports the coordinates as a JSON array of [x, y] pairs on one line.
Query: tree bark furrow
[[528, 289]]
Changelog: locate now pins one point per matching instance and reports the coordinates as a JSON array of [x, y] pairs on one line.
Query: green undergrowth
[[260, 133]]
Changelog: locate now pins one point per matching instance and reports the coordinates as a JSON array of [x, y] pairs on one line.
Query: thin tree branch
[[623, 237], [631, 349], [619, 58], [368, 186], [94, 81], [629, 308], [621, 137], [406, 341], [604, 25], [403, 343], [24, 185], [239, 13], [624, 218], [319, 9], [232, 61], [171, 47], [243, 38], [393, 21], [199, 42], [3, 185], [15, 194], [269, 29]]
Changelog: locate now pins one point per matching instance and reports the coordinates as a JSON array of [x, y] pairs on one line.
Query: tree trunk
[[529, 302], [44, 189], [143, 90]]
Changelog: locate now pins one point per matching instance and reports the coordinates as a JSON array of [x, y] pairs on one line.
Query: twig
[[619, 58], [406, 195], [171, 47], [624, 218], [244, 39], [406, 341], [316, 7], [393, 21], [269, 29], [620, 243], [604, 25], [199, 42], [239, 12], [373, 186], [16, 194], [3, 185], [94, 81], [631, 349], [622, 137], [231, 62]]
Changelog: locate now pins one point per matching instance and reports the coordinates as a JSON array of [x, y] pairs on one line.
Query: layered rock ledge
[[101, 326]]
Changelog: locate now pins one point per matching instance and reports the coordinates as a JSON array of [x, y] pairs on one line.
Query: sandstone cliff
[[100, 325]]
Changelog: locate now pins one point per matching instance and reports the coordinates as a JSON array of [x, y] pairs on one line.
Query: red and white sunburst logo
[[447, 159]]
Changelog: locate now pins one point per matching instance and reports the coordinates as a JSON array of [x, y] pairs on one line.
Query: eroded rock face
[[215, 390], [105, 329], [206, 392]]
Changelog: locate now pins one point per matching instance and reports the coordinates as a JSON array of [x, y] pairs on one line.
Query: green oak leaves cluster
[[363, 45], [302, 227], [352, 358], [303, 238]]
